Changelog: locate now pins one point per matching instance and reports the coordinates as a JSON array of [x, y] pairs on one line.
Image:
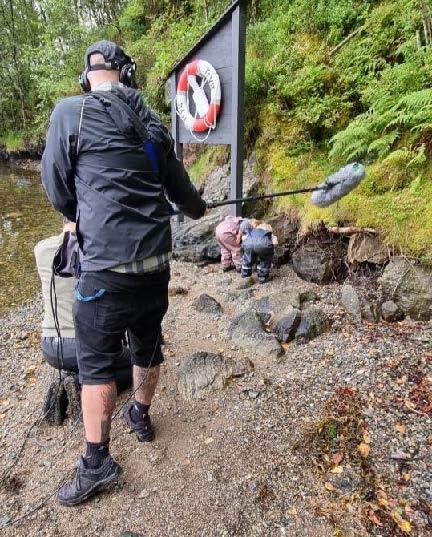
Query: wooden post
[[238, 78]]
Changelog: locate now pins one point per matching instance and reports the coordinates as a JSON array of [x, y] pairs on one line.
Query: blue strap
[[99, 293], [150, 149]]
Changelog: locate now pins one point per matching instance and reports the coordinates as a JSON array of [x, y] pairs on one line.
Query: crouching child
[[258, 242], [228, 236]]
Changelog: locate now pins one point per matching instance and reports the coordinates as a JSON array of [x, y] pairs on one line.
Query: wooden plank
[[237, 125]]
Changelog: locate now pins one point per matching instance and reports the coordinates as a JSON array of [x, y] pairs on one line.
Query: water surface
[[25, 218]]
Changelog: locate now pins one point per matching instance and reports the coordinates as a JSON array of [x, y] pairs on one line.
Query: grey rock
[[242, 367], [202, 373], [314, 322], [400, 456], [194, 240], [286, 230], [4, 521], [207, 304], [347, 482], [217, 184], [369, 248], [286, 327], [351, 301], [247, 331], [320, 261], [409, 286], [277, 305], [371, 312]]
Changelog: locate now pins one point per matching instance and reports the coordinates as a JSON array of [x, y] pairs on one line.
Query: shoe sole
[[102, 486]]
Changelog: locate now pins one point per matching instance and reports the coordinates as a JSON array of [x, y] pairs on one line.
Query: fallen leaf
[[405, 526], [366, 437], [329, 486], [4, 402], [292, 511], [208, 440], [29, 371], [409, 404], [383, 502], [337, 470], [400, 428], [364, 449], [406, 476], [337, 458], [285, 346], [373, 518]]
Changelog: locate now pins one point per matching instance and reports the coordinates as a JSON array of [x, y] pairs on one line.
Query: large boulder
[[321, 260], [216, 186], [194, 240], [286, 230], [314, 322], [409, 286], [364, 247], [247, 331], [202, 373]]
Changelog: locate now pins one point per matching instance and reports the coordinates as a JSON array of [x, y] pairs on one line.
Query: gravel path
[[261, 457]]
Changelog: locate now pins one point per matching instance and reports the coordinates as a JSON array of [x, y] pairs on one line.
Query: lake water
[[25, 218]]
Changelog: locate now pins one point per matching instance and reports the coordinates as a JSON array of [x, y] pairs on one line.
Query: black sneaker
[[142, 428], [88, 482]]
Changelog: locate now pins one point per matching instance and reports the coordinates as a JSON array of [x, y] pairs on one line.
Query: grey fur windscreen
[[338, 185]]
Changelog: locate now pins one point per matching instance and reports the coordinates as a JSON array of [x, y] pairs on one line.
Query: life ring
[[208, 73]]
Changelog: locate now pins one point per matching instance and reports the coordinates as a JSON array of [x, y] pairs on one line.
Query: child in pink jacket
[[228, 236]]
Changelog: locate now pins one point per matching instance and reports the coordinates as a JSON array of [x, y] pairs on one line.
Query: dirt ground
[[241, 461]]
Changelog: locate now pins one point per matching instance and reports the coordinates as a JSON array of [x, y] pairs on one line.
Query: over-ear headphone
[[126, 75]]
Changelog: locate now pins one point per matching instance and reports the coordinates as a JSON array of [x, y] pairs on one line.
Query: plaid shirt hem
[[156, 263]]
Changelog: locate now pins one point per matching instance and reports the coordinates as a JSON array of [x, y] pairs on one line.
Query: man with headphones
[[107, 165]]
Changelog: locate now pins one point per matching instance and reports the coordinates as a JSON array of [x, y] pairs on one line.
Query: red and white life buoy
[[206, 120]]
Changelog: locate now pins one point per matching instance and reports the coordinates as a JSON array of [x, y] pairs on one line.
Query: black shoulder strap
[[116, 101]]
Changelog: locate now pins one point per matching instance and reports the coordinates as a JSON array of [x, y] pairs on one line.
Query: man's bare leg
[[98, 403], [145, 382], [136, 415]]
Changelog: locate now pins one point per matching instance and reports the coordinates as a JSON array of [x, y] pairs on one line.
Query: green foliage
[[327, 82]]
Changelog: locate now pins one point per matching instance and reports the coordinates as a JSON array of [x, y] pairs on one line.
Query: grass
[[13, 141], [395, 201]]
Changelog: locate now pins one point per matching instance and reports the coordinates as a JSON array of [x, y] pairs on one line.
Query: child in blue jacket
[[258, 242]]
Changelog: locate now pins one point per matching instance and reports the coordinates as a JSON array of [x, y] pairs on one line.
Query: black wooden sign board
[[223, 46]]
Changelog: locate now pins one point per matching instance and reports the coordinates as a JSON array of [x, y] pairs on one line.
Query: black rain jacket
[[97, 172]]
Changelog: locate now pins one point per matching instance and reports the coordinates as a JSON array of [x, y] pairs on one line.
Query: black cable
[[42, 503], [60, 361]]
